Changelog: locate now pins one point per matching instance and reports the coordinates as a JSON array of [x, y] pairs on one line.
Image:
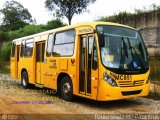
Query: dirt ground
[[38, 104]]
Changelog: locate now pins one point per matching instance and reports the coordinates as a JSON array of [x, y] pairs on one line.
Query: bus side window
[[13, 49], [95, 56], [49, 45], [28, 48], [64, 43], [22, 48]]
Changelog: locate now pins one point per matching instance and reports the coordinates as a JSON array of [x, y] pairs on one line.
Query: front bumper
[[107, 92]]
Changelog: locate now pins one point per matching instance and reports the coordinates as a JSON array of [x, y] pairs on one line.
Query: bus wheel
[[67, 89], [24, 80]]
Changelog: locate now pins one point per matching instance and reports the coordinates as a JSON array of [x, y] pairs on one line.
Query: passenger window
[[28, 48], [49, 45], [64, 43], [22, 48], [65, 37], [13, 49], [95, 56]]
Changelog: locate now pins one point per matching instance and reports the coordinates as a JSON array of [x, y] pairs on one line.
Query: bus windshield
[[121, 48]]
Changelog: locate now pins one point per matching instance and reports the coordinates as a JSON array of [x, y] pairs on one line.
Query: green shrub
[[27, 30], [3, 36], [54, 24], [155, 71], [5, 52], [124, 15], [34, 29]]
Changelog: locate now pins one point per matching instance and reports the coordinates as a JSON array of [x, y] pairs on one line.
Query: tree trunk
[[69, 20]]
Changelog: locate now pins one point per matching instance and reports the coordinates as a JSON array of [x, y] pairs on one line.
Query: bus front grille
[[125, 93], [130, 83]]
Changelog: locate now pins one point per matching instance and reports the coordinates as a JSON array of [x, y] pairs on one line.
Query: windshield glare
[[121, 48]]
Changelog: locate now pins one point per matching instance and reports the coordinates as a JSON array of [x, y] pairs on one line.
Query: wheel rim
[[67, 89], [24, 81]]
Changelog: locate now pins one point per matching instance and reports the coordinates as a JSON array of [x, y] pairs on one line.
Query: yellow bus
[[97, 60]]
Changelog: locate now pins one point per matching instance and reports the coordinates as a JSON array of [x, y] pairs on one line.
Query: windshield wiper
[[131, 49], [124, 54]]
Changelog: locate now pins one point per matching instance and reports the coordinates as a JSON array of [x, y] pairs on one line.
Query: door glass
[[13, 49], [95, 57], [18, 53], [90, 47], [82, 63], [43, 48], [38, 51]]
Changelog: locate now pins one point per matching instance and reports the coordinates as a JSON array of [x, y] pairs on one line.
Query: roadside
[[42, 104], [16, 100]]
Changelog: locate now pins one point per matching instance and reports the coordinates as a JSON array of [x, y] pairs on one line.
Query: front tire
[[24, 80], [66, 89]]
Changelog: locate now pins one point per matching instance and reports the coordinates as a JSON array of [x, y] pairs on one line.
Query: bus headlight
[[110, 80], [148, 80]]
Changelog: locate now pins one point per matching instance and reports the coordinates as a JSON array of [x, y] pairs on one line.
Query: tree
[[34, 29], [67, 8], [15, 16], [54, 24], [3, 37]]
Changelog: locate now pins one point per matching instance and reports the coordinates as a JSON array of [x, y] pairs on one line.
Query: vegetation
[[67, 8], [3, 37], [33, 29], [155, 96], [15, 16], [155, 70], [27, 30], [4, 67], [127, 15], [10, 35], [16, 23]]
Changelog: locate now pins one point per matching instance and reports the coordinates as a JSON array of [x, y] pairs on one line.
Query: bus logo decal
[[134, 82], [72, 61]]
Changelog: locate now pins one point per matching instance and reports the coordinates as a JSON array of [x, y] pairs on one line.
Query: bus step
[[39, 85]]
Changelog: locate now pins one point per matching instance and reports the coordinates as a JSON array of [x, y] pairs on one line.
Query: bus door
[[88, 72], [40, 47], [13, 60], [17, 61]]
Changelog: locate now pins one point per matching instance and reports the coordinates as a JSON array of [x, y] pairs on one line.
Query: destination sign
[[84, 30]]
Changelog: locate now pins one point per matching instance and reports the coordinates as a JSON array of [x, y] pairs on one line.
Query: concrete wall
[[149, 26]]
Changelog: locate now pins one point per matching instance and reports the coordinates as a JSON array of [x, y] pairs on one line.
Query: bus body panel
[[27, 65], [107, 92], [47, 70]]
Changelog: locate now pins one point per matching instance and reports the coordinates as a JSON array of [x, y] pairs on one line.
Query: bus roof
[[92, 24]]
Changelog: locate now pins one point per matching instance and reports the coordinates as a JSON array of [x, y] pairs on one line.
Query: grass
[[155, 96], [4, 67], [155, 69], [155, 77]]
